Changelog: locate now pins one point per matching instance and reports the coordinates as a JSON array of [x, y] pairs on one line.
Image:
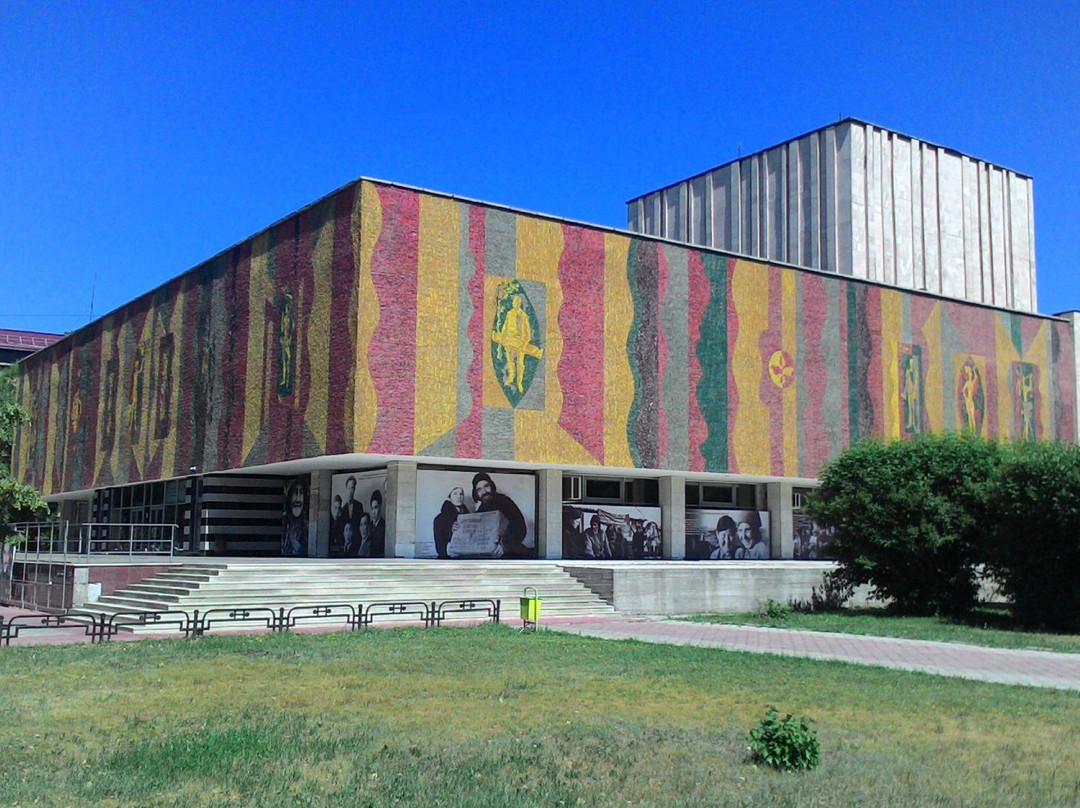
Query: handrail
[[95, 538]]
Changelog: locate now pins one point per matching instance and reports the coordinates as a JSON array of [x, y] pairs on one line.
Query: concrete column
[[673, 512], [781, 521], [80, 592], [549, 513], [401, 510], [319, 536]]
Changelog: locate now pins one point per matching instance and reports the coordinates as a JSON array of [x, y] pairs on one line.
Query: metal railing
[[36, 571], [277, 620], [61, 541]]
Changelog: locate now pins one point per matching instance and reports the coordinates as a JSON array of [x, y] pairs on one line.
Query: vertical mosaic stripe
[[581, 369], [716, 396], [392, 355]]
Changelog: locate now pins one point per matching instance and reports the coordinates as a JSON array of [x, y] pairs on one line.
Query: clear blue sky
[[138, 140]]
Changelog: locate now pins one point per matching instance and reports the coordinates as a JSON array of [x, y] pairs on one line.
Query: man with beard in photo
[[512, 528]]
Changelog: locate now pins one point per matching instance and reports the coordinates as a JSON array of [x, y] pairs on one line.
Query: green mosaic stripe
[[712, 354]]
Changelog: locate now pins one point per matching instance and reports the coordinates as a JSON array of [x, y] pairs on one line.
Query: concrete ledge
[[691, 587]]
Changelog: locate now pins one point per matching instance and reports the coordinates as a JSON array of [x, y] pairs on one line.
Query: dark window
[[598, 488], [718, 494]]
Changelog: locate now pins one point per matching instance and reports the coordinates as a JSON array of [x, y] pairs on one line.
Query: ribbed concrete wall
[[863, 201]]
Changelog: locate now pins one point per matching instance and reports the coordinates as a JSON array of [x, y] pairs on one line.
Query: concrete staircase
[[206, 584]]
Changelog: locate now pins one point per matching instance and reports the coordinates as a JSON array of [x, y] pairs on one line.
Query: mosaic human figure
[[515, 337]]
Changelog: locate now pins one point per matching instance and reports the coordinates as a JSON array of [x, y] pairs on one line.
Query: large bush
[[1034, 533], [18, 502], [908, 517]]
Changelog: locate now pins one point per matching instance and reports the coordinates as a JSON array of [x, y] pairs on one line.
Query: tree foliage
[[1034, 533], [18, 502], [908, 518]]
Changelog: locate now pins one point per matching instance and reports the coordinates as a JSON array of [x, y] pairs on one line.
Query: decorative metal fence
[[103, 627]]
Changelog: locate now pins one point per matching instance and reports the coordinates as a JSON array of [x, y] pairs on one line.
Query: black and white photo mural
[[727, 534], [475, 514], [811, 540], [611, 531], [294, 520], [358, 508]]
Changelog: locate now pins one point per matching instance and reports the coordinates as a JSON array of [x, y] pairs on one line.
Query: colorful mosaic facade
[[389, 321]]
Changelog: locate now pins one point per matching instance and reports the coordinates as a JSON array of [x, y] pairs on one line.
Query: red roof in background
[[26, 340]]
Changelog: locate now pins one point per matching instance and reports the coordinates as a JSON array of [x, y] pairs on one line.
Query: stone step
[[275, 584], [345, 596]]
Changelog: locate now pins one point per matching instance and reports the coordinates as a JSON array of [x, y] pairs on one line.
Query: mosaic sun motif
[[781, 369], [515, 338]]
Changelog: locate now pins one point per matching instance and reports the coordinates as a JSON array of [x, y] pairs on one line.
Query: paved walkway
[[1034, 668], [1016, 667]]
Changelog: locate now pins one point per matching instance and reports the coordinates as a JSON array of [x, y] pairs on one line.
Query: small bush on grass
[[1035, 535], [907, 518], [786, 743], [775, 610], [829, 598]]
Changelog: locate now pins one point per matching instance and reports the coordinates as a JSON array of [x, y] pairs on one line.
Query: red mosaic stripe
[[813, 375], [581, 321], [392, 355], [342, 358], [469, 433], [770, 341], [237, 296]]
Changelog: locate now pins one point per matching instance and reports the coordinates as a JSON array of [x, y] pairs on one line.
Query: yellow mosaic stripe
[[892, 326], [52, 424], [320, 326], [750, 433], [491, 389], [536, 432], [260, 293], [935, 394], [105, 407], [22, 445], [618, 377], [790, 398], [367, 224], [436, 320], [1038, 353], [1005, 354], [176, 327]]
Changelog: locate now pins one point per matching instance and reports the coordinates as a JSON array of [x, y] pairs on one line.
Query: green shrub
[[1034, 535], [908, 518], [785, 743], [775, 610], [830, 597]]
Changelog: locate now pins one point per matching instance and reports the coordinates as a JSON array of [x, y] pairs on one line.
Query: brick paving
[[1007, 666]]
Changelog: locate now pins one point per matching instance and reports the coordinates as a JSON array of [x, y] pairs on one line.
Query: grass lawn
[[486, 716], [989, 625]]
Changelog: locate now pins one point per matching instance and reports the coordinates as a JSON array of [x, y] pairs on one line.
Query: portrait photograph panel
[[812, 541], [611, 531], [358, 508], [475, 514], [294, 519], [727, 534]]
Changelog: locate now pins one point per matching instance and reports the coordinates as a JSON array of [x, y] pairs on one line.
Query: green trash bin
[[530, 609]]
